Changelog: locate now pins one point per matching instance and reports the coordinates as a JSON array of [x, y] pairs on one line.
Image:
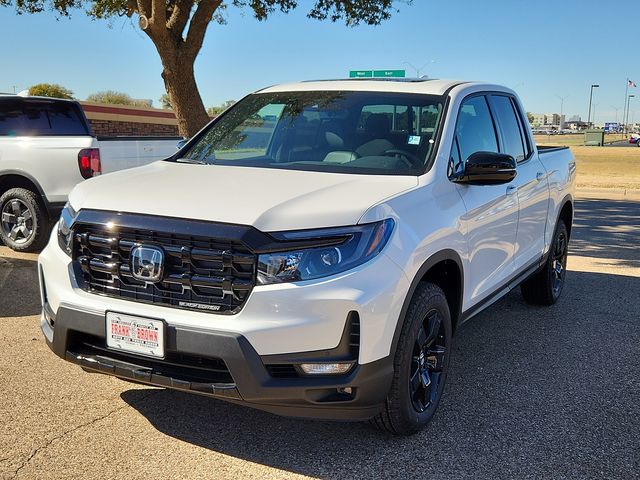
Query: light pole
[[418, 70], [562, 99], [626, 120], [590, 100]]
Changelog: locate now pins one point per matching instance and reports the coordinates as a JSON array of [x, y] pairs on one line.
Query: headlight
[[347, 247], [65, 234]]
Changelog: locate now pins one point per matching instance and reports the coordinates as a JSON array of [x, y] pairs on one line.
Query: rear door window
[[25, 118]]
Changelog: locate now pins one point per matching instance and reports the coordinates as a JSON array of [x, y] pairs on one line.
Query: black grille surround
[[209, 267], [209, 272]]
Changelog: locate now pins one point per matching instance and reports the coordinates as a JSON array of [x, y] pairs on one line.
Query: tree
[[117, 98], [530, 117], [177, 29], [165, 102], [50, 90], [215, 111]]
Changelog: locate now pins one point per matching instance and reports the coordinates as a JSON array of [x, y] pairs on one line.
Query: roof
[[399, 85], [10, 96]]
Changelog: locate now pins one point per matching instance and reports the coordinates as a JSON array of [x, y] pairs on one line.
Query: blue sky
[[543, 49]]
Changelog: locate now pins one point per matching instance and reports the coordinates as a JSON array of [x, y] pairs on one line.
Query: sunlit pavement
[[533, 392]]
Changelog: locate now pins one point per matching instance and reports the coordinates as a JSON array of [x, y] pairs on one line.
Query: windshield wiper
[[192, 161]]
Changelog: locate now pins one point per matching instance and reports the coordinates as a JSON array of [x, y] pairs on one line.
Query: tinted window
[[65, 120], [474, 129], [27, 118], [508, 125], [326, 131]]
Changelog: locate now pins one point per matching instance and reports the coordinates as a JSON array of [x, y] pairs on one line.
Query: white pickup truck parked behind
[[46, 148], [312, 251]]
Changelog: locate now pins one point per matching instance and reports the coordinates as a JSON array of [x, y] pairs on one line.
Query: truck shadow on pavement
[[18, 276], [531, 391], [607, 230]]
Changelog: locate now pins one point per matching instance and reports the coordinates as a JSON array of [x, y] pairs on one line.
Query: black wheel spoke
[[435, 379], [415, 380], [435, 357], [425, 378], [434, 327]]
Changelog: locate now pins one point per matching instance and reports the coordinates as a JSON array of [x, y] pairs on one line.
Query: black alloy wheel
[[559, 262], [427, 363], [545, 286], [420, 364]]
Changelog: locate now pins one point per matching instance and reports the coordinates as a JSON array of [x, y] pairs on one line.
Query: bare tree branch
[[144, 7], [158, 18], [179, 16], [198, 26]]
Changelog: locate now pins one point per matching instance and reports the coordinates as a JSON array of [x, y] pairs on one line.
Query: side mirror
[[488, 168], [181, 143]]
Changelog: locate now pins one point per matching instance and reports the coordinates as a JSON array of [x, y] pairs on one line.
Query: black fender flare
[[442, 255], [567, 199]]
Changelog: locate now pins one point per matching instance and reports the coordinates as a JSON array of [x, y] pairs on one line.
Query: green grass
[[608, 167], [573, 139]]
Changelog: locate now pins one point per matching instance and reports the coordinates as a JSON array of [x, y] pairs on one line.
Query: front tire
[[545, 287], [420, 365], [23, 220]]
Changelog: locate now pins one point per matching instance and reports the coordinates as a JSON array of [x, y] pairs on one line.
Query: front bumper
[[222, 365]]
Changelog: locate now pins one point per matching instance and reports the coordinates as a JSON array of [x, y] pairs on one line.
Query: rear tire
[[545, 287], [23, 220], [420, 365]]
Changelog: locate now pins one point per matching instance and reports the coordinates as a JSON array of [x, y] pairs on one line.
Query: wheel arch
[[444, 269], [565, 213], [16, 179]]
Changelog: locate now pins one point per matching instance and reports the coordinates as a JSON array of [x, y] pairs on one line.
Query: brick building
[[128, 121]]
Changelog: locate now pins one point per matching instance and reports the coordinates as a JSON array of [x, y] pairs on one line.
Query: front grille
[[200, 273]]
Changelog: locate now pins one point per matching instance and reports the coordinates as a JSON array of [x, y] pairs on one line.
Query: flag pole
[[624, 117]]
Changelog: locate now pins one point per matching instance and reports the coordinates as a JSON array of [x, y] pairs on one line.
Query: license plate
[[140, 335]]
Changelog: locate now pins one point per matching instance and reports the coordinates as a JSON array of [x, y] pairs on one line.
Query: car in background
[[633, 139], [46, 148]]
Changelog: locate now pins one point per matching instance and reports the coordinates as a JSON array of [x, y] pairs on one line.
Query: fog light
[[325, 368]]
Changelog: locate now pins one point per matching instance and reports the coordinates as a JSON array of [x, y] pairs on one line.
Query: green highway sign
[[360, 73], [389, 73], [377, 73]]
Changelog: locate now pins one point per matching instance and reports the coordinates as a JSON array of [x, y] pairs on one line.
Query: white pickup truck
[[46, 148], [312, 251]]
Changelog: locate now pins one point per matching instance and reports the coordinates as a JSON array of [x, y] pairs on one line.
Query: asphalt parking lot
[[533, 393]]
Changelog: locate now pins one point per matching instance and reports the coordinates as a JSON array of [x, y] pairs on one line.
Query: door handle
[[511, 189], [540, 176]]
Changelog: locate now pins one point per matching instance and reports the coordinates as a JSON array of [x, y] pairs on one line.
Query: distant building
[[551, 121], [575, 118], [539, 120], [576, 125]]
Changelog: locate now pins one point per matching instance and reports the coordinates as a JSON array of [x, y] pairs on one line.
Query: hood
[[269, 199]]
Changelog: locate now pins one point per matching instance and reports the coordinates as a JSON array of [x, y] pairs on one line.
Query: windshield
[[325, 131]]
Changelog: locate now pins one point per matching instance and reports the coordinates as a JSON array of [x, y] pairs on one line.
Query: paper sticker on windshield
[[414, 140]]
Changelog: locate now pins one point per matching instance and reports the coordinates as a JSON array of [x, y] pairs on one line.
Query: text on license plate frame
[[135, 334]]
